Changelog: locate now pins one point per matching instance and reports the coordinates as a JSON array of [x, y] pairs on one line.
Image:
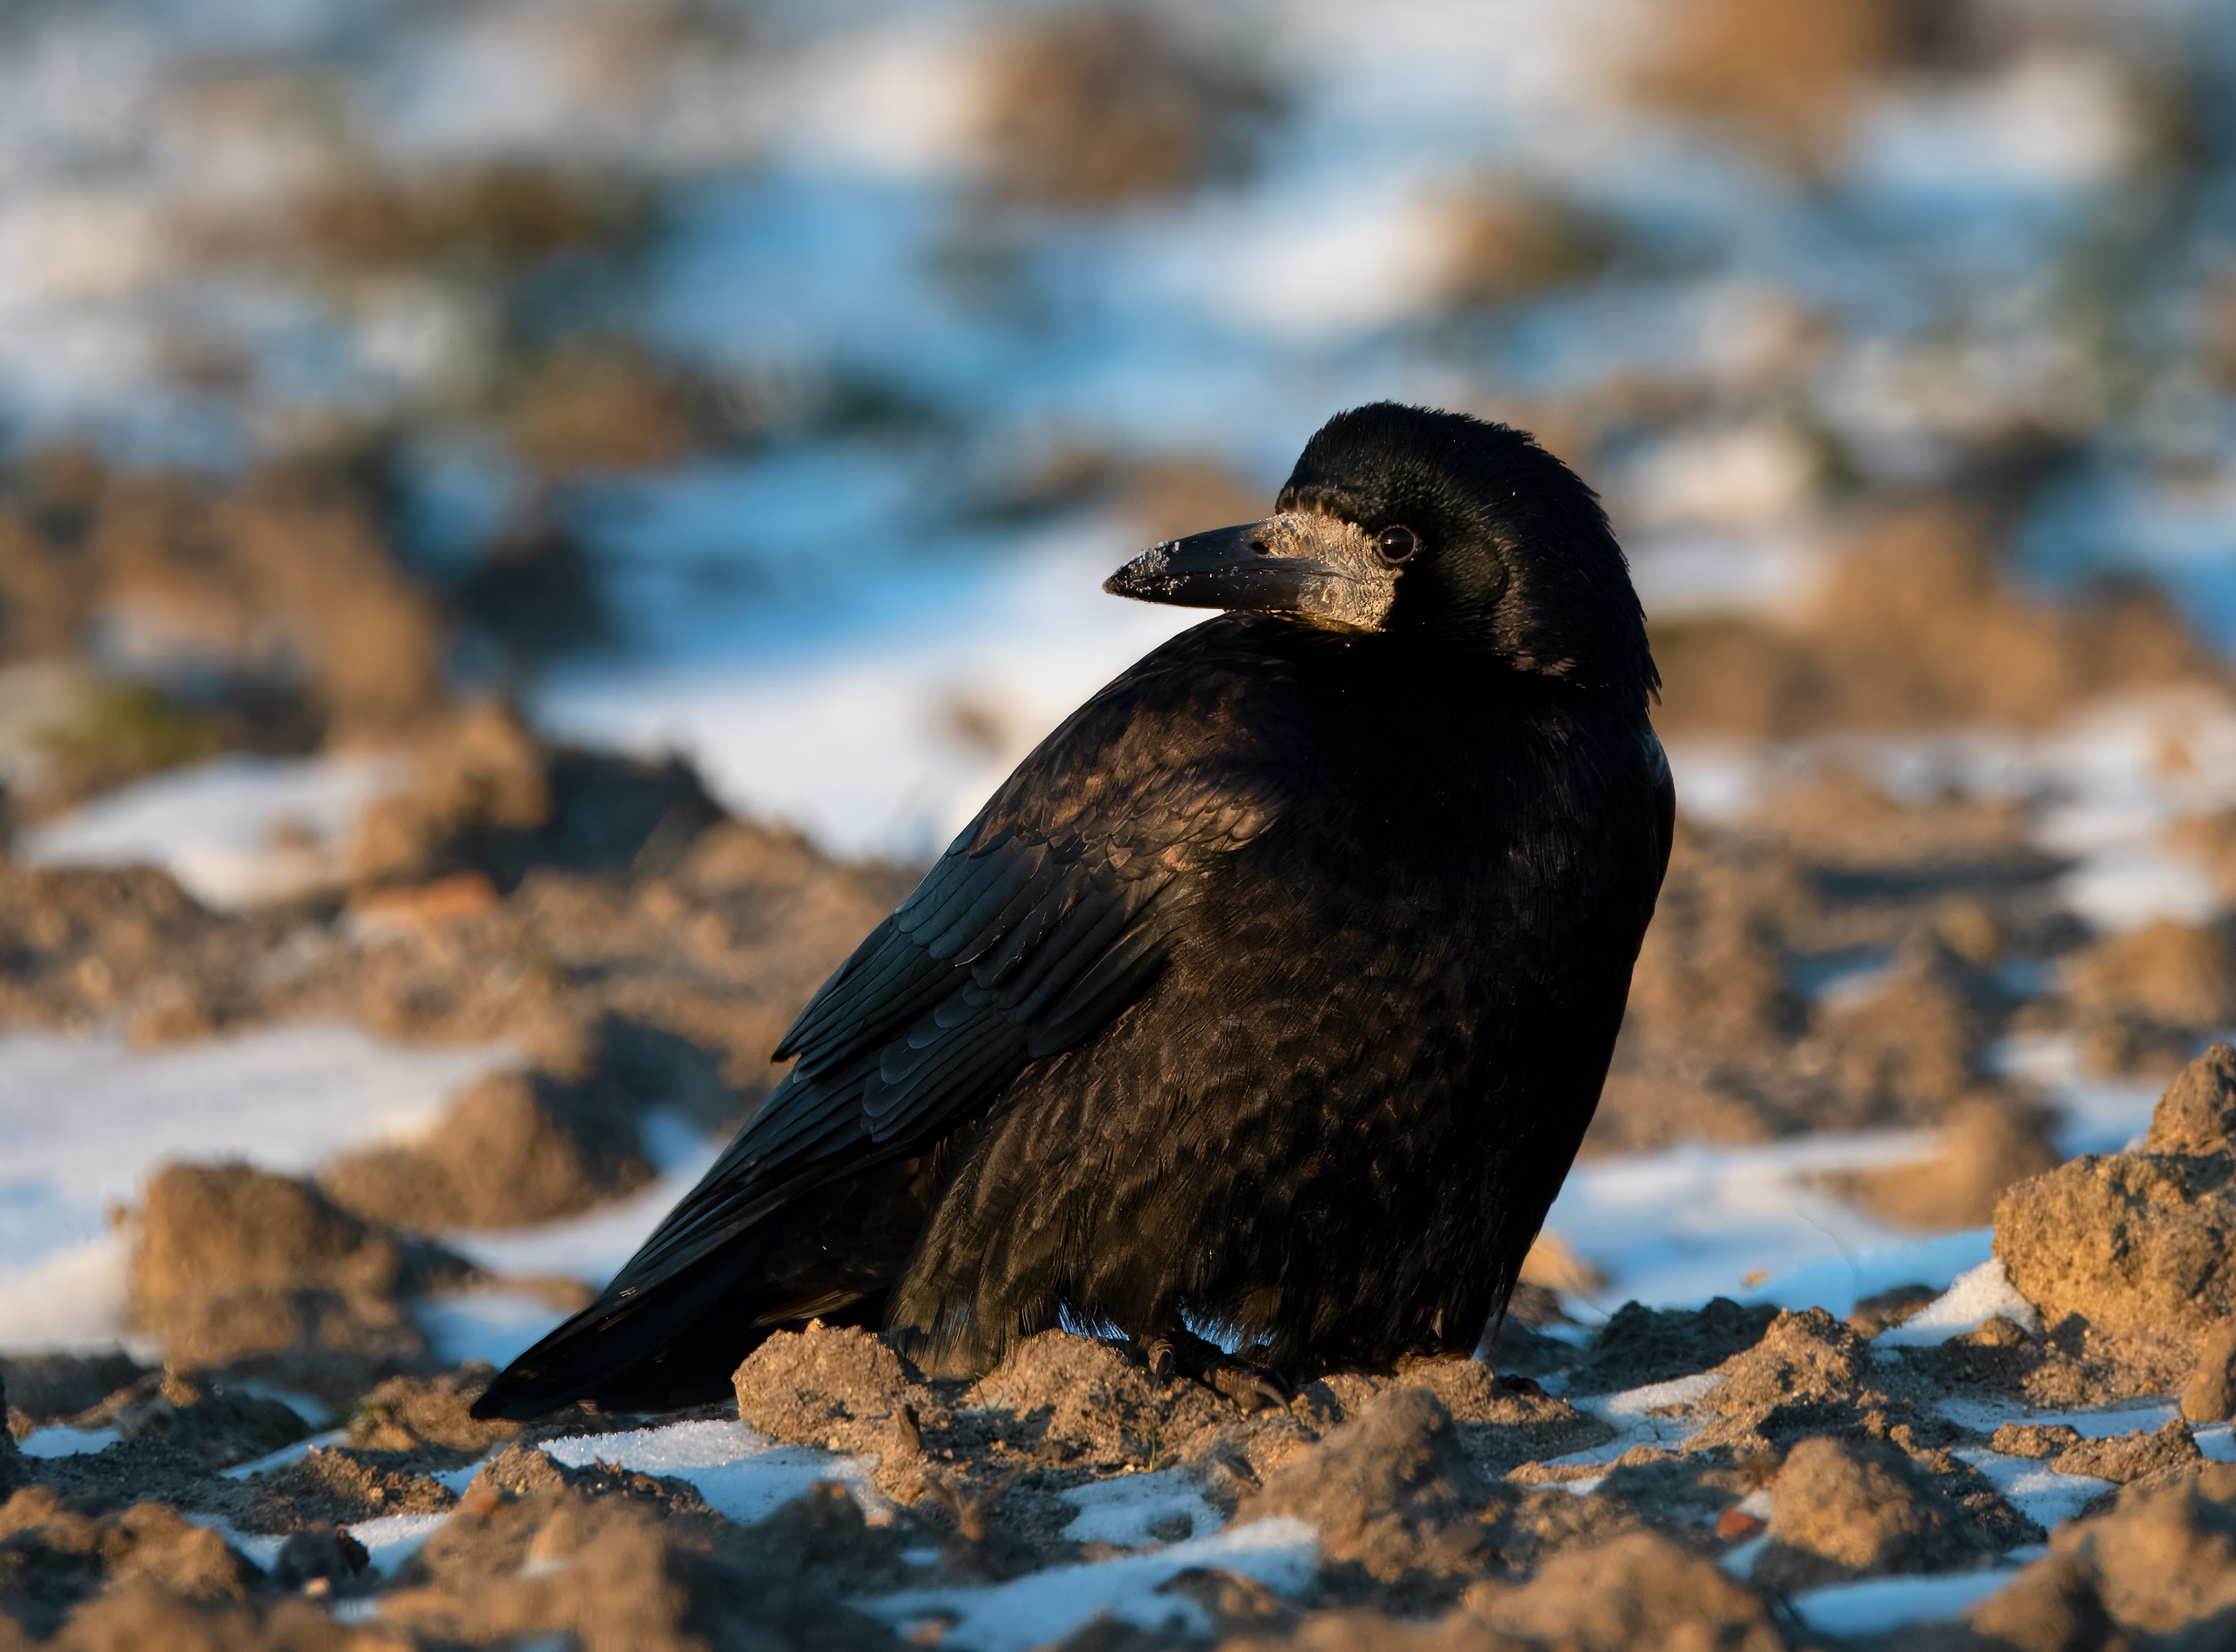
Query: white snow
[[1122, 1510], [236, 831], [1877, 1605], [1976, 1297], [497, 1325], [85, 1120], [2028, 1485], [1032, 1610], [1642, 1417], [741, 1473], [66, 1442], [1675, 1227]]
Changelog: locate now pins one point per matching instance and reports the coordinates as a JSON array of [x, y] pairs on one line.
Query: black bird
[[1267, 1001]]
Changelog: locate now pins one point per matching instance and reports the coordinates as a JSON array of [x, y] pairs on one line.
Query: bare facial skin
[[1358, 587]]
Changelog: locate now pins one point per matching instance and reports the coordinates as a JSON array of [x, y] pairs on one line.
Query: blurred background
[[442, 442]]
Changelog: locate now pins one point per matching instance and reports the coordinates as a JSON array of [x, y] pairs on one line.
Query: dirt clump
[[1804, 1356], [51, 1388], [2146, 996], [1111, 103], [610, 1571], [2209, 1396], [515, 1150], [57, 1552], [230, 1263], [1847, 1509], [1916, 628], [2160, 1563], [215, 1424], [2133, 1243], [1087, 1400], [2122, 1457], [2033, 1439], [1638, 1346], [1640, 1592], [329, 1484], [2197, 1114], [481, 770], [1989, 1141], [1501, 1424], [844, 1389], [418, 1414], [1792, 81], [1883, 1309], [1396, 1499], [1911, 1048]]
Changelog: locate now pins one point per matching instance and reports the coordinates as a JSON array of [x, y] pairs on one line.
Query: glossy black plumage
[[1271, 995]]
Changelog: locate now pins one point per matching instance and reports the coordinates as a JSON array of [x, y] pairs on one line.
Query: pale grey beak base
[[1316, 567]]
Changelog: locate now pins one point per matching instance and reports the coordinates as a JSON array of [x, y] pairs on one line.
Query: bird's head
[[1440, 530]]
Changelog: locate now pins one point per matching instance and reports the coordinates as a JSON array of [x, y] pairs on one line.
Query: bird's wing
[[1040, 922]]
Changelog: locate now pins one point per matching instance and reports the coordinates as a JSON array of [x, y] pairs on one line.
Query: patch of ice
[[1975, 1298], [1877, 1605], [2217, 1441], [86, 1119], [1584, 1487], [497, 1325], [1281, 1554], [2028, 1484], [236, 831], [58, 1441], [742, 1474], [1123, 1509]]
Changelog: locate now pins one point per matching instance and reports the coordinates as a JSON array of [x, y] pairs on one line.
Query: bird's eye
[[1396, 544]]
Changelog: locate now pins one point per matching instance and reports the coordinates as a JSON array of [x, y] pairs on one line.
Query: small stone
[[1738, 1523], [2210, 1395]]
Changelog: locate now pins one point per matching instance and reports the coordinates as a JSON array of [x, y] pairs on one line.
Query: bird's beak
[[1319, 568]]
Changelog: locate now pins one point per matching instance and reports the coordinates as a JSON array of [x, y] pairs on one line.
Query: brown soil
[[1987, 1143], [1844, 1510], [1110, 103], [231, 1264], [1791, 80], [2209, 1396], [2157, 1568], [2133, 1245], [2145, 997], [1915, 628]]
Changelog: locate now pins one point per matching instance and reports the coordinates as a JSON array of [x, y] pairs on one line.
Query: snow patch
[[1282, 1554], [1122, 1510], [236, 831], [85, 1121], [1976, 1297], [742, 1474], [1879, 1604]]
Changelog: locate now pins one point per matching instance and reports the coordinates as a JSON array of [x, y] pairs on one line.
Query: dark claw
[[1163, 1363]]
